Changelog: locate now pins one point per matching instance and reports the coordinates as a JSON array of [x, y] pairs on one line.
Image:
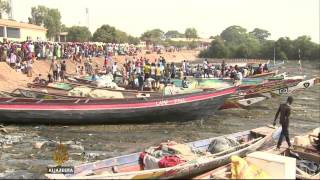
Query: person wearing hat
[[284, 110]]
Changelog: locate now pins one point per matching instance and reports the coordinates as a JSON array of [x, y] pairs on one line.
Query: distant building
[[62, 37], [202, 40], [16, 31]]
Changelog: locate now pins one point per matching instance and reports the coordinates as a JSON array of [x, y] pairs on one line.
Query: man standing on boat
[[284, 110]]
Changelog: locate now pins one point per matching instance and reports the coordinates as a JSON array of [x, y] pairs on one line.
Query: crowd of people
[[135, 73], [20, 55], [141, 72]]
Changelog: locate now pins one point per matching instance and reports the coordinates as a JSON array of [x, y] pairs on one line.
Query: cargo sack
[[221, 144], [240, 169], [276, 134]]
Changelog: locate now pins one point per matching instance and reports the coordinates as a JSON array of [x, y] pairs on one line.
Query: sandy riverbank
[[11, 80]]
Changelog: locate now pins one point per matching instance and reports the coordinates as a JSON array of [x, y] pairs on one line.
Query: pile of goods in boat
[[171, 153], [167, 155], [221, 144], [241, 169], [83, 91], [63, 86], [106, 81], [171, 89]]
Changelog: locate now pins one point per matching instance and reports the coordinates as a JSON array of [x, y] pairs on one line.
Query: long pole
[[300, 65], [274, 56], [88, 20]]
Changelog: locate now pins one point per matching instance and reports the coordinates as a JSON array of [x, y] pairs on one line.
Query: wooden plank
[[77, 101], [11, 100], [40, 101], [265, 130]]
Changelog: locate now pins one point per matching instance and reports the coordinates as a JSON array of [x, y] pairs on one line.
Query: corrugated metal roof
[[15, 24]]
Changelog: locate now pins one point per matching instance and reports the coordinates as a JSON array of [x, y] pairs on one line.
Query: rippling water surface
[[19, 159]]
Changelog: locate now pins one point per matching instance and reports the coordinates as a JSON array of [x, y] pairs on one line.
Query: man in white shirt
[[31, 47], [206, 68], [114, 70]]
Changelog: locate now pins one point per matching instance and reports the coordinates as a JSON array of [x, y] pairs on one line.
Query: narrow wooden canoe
[[245, 90], [88, 111], [64, 91], [224, 172], [278, 90], [242, 102], [267, 74], [41, 95], [298, 87], [129, 167]]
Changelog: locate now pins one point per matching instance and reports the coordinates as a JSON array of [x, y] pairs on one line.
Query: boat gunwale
[[189, 164]]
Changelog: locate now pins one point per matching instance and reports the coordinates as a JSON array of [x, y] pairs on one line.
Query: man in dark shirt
[[63, 70], [284, 110]]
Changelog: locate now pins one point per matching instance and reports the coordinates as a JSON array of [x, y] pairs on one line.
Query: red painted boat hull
[[105, 111]]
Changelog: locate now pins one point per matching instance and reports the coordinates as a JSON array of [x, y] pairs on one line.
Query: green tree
[[174, 34], [105, 34], [53, 23], [285, 45], [4, 8], [110, 34], [121, 37], [133, 40], [64, 28], [49, 18], [234, 35], [193, 44], [267, 48], [191, 33], [38, 15], [153, 37], [260, 34], [78, 34], [217, 49], [305, 45]]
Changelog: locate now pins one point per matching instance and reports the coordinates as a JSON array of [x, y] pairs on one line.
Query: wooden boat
[[263, 93], [266, 74], [298, 87], [86, 111], [39, 94], [274, 65], [224, 172], [129, 167], [267, 87], [5, 94], [242, 101], [56, 90], [210, 82]]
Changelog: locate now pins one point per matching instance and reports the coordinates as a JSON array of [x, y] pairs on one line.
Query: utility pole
[[10, 15], [299, 62], [274, 55], [88, 20]]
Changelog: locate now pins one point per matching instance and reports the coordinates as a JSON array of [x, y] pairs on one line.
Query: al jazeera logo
[[60, 156]]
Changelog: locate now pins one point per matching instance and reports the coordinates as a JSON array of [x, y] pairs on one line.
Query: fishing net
[[63, 86], [221, 144]]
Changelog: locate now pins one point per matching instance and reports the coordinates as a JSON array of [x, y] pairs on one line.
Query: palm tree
[[4, 7]]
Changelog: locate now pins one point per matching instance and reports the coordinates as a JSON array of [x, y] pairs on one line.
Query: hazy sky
[[210, 17]]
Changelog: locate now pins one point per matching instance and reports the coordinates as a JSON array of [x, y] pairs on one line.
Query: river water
[[20, 159]]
